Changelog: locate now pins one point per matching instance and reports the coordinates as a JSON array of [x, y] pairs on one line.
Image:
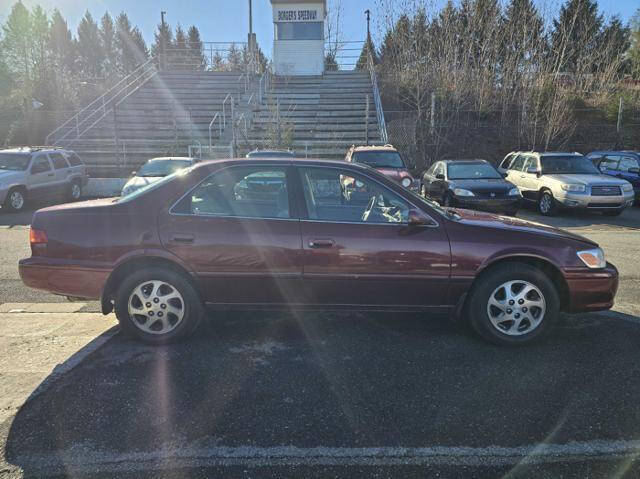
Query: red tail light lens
[[37, 236]]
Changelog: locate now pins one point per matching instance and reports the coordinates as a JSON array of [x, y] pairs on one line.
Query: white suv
[[39, 173], [567, 180]]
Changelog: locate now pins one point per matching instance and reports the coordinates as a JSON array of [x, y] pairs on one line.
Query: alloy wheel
[[545, 203], [16, 200], [156, 307], [516, 308], [75, 191]]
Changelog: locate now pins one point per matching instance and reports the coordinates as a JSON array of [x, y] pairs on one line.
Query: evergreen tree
[[234, 58], [130, 46], [575, 36], [108, 41], [162, 36], [616, 38], [90, 53], [633, 54], [196, 54], [367, 48], [61, 45], [40, 38], [140, 50], [17, 42]]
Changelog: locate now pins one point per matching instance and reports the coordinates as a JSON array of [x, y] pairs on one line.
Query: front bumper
[[596, 203], [67, 280], [591, 290], [497, 205]]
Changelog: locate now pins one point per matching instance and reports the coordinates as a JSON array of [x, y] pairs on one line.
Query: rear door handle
[[181, 238], [51, 174], [321, 243]]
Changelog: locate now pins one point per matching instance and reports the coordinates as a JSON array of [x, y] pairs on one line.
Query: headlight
[[514, 192], [406, 182], [593, 258], [626, 188], [572, 187], [462, 192]]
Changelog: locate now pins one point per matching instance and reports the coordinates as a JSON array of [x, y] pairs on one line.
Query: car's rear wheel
[[546, 203], [158, 306], [75, 191], [15, 200], [513, 304]]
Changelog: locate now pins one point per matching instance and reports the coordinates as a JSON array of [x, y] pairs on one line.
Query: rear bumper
[[66, 280], [592, 290], [498, 205]]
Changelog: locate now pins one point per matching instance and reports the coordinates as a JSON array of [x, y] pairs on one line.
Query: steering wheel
[[367, 212]]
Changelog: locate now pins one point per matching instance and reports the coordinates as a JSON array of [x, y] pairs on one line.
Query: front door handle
[[51, 174], [321, 243], [181, 238]]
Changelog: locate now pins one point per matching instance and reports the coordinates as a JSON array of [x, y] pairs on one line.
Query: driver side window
[[342, 196]]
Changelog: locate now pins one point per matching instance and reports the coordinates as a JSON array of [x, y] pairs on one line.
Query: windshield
[[567, 165], [379, 159], [163, 167], [14, 161], [472, 171]]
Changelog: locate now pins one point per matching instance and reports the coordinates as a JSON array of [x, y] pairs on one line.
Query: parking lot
[[319, 394]]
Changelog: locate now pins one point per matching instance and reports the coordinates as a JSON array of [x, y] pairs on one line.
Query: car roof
[[478, 160], [386, 147], [167, 158], [551, 153], [632, 152], [27, 150], [289, 161]]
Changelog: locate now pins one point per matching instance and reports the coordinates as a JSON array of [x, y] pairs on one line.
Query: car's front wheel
[[513, 304], [546, 203], [158, 306], [15, 200], [75, 191]]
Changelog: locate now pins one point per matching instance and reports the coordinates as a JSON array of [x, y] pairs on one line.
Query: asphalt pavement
[[339, 395]]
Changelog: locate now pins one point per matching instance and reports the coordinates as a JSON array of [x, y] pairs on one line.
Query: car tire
[[546, 203], [158, 306], [16, 200], [612, 213], [513, 304], [75, 191]]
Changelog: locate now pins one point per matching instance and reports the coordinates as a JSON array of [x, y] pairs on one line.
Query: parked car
[[621, 164], [271, 154], [268, 234], [569, 181], [38, 173], [387, 160], [472, 184], [154, 170]]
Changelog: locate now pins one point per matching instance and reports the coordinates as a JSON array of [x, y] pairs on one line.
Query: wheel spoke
[[516, 307], [497, 303], [154, 307]]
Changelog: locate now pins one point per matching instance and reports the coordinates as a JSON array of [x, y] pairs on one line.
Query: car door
[[504, 164], [529, 182], [438, 183], [365, 254], [62, 171], [628, 170], [41, 178], [239, 231], [515, 170], [609, 165], [427, 179]]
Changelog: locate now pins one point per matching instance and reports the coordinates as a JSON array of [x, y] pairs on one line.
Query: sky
[[227, 20]]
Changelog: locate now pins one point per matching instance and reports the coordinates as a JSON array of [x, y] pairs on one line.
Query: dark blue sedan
[[621, 164]]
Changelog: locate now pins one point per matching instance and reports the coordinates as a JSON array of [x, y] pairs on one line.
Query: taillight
[[37, 236]]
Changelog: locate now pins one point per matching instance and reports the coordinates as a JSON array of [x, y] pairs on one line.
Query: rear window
[[14, 161], [73, 159], [58, 161], [379, 159]]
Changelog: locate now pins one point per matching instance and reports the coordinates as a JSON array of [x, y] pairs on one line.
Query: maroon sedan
[[283, 233]]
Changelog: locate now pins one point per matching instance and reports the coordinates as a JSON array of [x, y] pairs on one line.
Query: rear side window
[[74, 160], [518, 163], [506, 161], [252, 192], [40, 165], [626, 163], [58, 161]]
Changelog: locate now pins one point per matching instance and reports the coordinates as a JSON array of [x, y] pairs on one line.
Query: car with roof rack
[[39, 173], [558, 180]]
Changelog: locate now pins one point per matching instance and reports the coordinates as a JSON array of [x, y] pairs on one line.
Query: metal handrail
[[224, 112], [217, 115], [382, 126], [101, 100]]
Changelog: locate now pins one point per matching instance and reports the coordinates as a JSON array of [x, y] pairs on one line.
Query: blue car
[[621, 164]]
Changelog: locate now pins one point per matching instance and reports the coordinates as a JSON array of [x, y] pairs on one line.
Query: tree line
[[512, 69]]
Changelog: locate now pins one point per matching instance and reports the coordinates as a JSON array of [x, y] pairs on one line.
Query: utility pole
[[162, 39], [251, 39], [368, 13]]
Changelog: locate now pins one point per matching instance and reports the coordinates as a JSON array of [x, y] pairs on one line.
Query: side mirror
[[634, 170], [532, 170], [439, 176], [505, 174], [418, 218]]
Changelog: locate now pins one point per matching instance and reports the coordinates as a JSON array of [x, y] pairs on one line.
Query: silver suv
[[565, 180], [39, 173]]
